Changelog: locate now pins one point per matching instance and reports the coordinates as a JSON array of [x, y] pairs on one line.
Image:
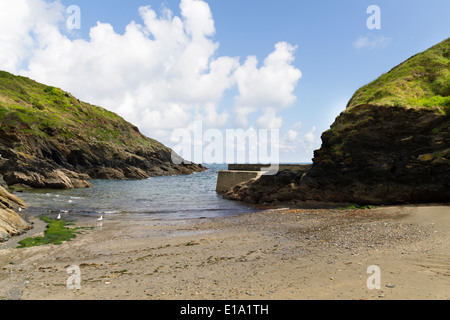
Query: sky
[[286, 66]]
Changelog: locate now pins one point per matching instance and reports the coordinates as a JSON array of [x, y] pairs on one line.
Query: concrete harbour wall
[[239, 173]]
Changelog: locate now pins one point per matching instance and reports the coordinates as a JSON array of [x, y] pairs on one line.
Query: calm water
[[178, 197]]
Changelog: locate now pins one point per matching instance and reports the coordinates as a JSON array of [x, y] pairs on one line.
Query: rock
[[107, 173], [380, 150], [11, 223], [10, 201], [77, 143], [132, 172], [385, 169], [36, 176], [2, 181]]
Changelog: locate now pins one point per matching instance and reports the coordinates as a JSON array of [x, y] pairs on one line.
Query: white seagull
[[59, 217], [100, 219]]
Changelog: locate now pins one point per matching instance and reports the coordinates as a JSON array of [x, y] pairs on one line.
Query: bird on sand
[[100, 219]]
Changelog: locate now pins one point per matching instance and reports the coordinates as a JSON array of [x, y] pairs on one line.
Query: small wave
[[108, 211], [278, 209]]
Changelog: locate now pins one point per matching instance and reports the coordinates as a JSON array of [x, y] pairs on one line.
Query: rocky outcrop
[[390, 155], [11, 223], [73, 165], [50, 139], [267, 189], [390, 146]]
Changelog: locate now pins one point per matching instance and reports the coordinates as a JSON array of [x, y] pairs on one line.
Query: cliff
[[50, 139], [390, 146], [11, 223]]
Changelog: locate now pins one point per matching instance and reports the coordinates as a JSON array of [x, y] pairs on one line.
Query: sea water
[[173, 197]]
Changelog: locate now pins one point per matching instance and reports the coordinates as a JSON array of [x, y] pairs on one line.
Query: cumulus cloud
[[161, 74], [310, 136], [291, 135], [21, 22], [371, 41], [298, 147], [270, 87]]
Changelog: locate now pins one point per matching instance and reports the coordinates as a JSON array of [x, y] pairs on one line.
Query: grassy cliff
[[50, 113], [390, 146], [49, 138], [423, 81]]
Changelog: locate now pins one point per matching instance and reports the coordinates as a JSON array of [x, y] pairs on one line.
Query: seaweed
[[56, 233]]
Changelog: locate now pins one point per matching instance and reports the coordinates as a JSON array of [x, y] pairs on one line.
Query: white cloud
[[269, 120], [18, 20], [310, 136], [371, 41], [296, 147], [160, 74], [291, 135], [269, 87], [297, 125]]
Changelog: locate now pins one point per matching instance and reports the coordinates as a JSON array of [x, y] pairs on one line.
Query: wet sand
[[282, 254]]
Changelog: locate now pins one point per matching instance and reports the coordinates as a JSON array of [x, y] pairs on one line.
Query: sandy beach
[[277, 254]]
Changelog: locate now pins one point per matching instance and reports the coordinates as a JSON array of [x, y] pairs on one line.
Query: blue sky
[[323, 33]]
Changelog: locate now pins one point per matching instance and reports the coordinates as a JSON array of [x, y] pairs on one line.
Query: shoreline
[[279, 254]]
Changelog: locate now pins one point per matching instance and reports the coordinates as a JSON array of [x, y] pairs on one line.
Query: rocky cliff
[[50, 139], [11, 223], [391, 145]]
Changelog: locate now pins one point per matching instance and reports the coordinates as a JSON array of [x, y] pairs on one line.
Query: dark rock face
[[385, 155], [50, 139], [371, 155], [56, 165], [390, 146], [267, 189]]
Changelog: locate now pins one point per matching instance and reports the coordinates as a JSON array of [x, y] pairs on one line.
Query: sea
[[158, 198]]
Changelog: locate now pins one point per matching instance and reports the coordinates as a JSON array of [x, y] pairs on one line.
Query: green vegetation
[[50, 113], [423, 81], [56, 233]]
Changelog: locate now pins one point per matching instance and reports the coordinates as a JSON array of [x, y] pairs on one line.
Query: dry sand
[[286, 254]]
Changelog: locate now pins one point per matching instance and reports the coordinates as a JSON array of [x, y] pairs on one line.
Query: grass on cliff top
[[423, 81], [51, 113], [56, 233]]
